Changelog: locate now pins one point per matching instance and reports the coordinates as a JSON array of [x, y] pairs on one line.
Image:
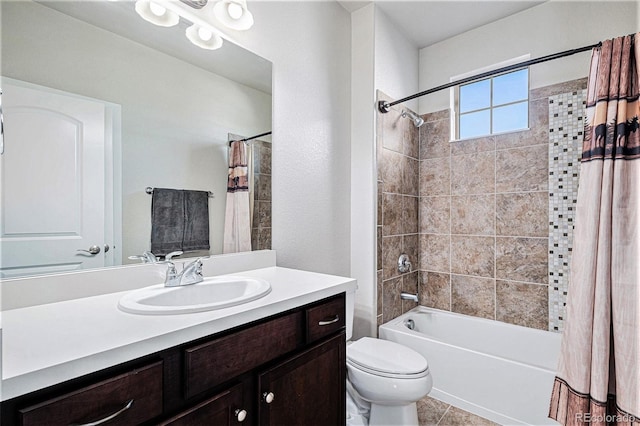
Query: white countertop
[[47, 344]]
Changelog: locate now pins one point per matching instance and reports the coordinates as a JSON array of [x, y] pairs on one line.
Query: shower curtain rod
[[253, 137], [385, 106]]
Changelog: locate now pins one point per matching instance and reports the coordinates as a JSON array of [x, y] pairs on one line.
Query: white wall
[[309, 45], [363, 169], [549, 28], [175, 116], [396, 62], [382, 59]]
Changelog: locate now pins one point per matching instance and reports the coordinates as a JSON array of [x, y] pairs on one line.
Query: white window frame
[[455, 94]]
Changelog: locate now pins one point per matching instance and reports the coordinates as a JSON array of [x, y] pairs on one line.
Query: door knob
[[92, 250], [268, 397]]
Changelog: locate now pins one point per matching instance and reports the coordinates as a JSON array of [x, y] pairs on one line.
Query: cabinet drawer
[[140, 390], [325, 319], [225, 408], [214, 362]]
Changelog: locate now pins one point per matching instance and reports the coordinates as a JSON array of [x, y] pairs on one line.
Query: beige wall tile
[[567, 86], [435, 290], [473, 173], [411, 139], [391, 171], [435, 177], [523, 169], [379, 247], [473, 214], [410, 176], [391, 250], [522, 304], [473, 296], [436, 115], [392, 130], [434, 139], [409, 214], [523, 214], [379, 214], [434, 252], [411, 247], [379, 295], [391, 302], [471, 255], [523, 259], [473, 146], [434, 213], [391, 214]]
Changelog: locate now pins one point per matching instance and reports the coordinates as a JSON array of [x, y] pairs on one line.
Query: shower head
[[417, 121]]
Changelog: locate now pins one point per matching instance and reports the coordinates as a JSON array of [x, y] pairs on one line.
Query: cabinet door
[[225, 408], [307, 389]]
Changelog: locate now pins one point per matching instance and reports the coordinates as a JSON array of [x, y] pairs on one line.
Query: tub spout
[[409, 296]]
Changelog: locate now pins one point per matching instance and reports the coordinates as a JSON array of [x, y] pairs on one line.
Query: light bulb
[[235, 10], [156, 9], [204, 34]]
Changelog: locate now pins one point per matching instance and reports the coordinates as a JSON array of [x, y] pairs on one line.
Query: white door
[[51, 181]]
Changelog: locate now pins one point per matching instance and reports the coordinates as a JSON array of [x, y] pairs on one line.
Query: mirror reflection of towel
[[179, 220]]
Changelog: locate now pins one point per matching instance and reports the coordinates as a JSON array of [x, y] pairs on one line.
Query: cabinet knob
[[241, 415], [268, 397]]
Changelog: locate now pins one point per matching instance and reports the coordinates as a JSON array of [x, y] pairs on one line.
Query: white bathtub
[[498, 371]]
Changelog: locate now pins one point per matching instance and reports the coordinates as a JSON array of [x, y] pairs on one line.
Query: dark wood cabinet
[[130, 398], [297, 356], [306, 389], [225, 408]]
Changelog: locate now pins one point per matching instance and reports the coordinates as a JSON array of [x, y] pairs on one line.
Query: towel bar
[[149, 190]]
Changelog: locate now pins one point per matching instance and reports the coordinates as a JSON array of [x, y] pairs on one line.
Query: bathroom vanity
[[274, 361]]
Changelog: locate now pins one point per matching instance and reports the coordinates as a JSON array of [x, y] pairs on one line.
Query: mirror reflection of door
[[52, 184]]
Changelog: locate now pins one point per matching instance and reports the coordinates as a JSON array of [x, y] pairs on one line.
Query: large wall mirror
[[163, 109]]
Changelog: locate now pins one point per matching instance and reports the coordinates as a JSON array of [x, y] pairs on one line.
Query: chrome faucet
[[146, 257], [191, 273]]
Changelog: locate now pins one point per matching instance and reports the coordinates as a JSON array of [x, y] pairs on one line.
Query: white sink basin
[[212, 293]]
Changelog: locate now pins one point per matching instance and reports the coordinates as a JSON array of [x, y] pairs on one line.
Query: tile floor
[[433, 412]]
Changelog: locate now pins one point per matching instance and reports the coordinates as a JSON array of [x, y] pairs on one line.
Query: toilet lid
[[386, 357]]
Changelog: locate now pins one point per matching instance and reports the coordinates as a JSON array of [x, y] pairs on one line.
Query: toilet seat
[[386, 359]]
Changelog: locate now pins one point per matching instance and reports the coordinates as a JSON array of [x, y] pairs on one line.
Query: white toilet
[[386, 377]]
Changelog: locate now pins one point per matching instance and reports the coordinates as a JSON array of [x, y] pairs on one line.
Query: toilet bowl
[[390, 377]]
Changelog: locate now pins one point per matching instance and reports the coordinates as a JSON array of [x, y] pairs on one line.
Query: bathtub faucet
[[409, 296]]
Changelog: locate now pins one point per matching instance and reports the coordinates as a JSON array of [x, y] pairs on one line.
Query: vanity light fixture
[[206, 17], [203, 37], [233, 14], [157, 14]]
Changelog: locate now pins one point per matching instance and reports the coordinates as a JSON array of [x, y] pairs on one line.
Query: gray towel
[[196, 224], [179, 221]]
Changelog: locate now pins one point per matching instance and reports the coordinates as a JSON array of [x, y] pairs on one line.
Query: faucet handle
[[171, 255]]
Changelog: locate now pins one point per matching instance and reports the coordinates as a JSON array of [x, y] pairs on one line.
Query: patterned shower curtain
[[598, 381], [237, 223]]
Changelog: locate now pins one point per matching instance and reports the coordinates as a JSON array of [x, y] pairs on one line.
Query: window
[[493, 105]]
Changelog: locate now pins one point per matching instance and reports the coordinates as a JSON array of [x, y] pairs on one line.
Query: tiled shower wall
[[261, 223], [483, 217], [397, 229]]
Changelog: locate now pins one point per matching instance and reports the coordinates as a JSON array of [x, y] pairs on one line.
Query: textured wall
[[309, 44]]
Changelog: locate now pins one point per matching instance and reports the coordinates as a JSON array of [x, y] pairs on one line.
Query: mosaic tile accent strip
[[566, 127]]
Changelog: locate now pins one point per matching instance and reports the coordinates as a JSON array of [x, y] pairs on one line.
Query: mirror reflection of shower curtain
[[237, 220]]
